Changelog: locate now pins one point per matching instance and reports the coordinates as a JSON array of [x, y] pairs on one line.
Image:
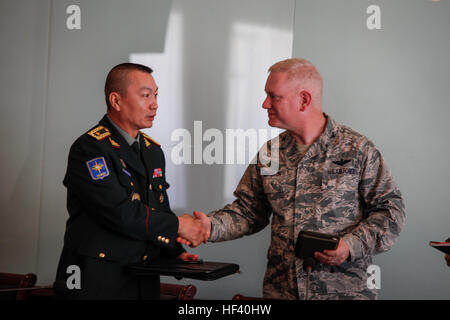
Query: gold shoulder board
[[99, 133], [148, 141]]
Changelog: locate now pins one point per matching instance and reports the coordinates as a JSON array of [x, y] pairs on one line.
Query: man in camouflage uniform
[[331, 179]]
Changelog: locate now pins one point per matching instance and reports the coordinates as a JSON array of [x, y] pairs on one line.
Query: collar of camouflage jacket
[[318, 146]]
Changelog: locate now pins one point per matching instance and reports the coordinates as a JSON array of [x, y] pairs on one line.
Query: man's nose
[[154, 104], [266, 103]]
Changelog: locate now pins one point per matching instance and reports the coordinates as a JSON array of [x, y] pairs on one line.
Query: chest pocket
[[340, 177], [280, 191], [339, 197]]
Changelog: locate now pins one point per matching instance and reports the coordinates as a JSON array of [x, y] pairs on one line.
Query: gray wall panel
[[392, 85], [24, 37]]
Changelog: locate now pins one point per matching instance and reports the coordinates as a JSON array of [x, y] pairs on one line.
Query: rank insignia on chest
[[157, 173], [98, 168]]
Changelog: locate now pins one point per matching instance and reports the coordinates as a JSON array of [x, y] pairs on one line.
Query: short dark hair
[[116, 81]]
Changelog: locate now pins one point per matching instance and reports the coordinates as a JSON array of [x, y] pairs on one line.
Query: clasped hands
[[196, 229], [193, 230]]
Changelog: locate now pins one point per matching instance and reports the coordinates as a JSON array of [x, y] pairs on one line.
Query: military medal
[[157, 173]]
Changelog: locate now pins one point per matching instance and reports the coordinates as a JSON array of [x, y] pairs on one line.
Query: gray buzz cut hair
[[298, 68]]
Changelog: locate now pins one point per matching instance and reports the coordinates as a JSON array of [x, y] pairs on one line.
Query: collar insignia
[[114, 144]]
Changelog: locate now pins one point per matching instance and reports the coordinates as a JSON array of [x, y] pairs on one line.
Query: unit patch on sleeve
[[98, 168]]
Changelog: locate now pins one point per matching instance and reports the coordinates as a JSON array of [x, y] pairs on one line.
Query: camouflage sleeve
[[248, 214], [383, 208]]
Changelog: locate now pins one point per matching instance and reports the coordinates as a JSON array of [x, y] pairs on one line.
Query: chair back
[[16, 281], [177, 292]]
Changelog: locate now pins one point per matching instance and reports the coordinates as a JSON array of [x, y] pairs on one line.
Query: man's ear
[[305, 100], [115, 100]]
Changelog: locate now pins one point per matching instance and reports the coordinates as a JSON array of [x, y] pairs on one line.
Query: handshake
[[193, 230]]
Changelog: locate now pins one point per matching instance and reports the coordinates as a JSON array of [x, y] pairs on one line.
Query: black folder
[[441, 246], [200, 270], [309, 242]]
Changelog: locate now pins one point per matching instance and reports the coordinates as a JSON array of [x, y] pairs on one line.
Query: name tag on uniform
[[157, 173], [98, 168]]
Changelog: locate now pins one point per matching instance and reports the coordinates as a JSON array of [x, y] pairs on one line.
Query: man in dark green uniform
[[119, 212]]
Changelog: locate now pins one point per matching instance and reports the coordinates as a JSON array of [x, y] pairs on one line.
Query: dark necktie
[[135, 147]]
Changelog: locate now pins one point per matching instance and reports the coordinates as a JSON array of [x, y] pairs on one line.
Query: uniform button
[[135, 196], [159, 238], [167, 241], [101, 255], [144, 258], [160, 186], [150, 187], [163, 239], [153, 209], [131, 184]]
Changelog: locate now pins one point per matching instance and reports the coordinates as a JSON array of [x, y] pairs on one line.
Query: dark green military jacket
[[119, 214]]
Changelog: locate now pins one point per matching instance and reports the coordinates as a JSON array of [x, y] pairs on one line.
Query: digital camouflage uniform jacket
[[341, 186]]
